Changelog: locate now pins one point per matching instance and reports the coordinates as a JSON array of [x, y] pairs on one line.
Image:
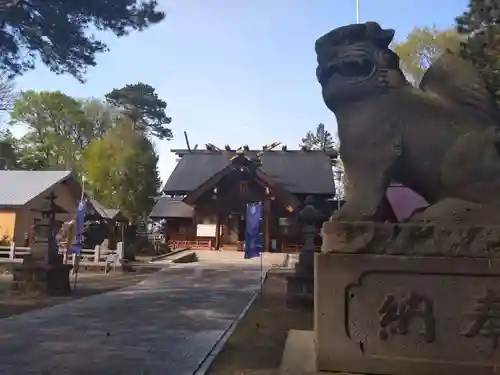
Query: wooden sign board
[[205, 230]]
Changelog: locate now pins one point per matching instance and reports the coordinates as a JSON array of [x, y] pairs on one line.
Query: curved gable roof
[[298, 172]]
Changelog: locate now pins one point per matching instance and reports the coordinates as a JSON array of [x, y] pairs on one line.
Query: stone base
[[299, 355], [407, 315], [35, 278], [300, 285], [300, 291], [415, 239]]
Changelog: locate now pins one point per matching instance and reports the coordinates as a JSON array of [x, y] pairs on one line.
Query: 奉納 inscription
[[486, 318], [396, 316]]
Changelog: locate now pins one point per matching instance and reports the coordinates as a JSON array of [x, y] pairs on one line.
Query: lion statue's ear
[[380, 37], [385, 38]]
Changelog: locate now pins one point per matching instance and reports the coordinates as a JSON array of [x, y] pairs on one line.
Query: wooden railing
[[290, 249], [198, 244], [207, 244]]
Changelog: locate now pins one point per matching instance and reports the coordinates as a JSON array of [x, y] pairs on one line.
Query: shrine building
[[204, 200]]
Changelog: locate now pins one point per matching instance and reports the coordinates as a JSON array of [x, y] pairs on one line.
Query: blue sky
[[238, 71]]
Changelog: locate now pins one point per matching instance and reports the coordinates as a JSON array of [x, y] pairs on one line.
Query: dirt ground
[[87, 284], [256, 345]]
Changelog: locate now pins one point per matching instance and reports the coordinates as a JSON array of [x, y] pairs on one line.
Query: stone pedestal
[[382, 307], [38, 277], [300, 285]]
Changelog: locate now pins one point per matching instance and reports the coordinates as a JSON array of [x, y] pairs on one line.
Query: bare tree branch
[[8, 3]]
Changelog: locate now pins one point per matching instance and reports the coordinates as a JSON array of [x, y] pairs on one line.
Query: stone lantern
[[43, 271], [45, 245], [300, 285]]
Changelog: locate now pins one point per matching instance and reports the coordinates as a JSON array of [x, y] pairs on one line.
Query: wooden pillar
[[166, 231], [112, 234], [217, 232], [122, 225]]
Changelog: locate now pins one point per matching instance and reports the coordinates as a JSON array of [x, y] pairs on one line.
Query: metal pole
[[261, 269], [76, 265], [357, 11], [76, 257]]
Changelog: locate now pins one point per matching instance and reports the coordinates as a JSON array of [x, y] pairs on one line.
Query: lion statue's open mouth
[[353, 54], [353, 69]]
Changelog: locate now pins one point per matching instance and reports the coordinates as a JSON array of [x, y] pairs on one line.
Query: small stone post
[[300, 285], [119, 251], [97, 254], [12, 251]]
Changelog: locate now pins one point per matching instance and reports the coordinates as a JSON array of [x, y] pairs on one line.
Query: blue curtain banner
[[253, 235], [76, 248]]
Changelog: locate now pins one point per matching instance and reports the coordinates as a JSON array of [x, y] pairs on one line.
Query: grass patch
[[256, 346]]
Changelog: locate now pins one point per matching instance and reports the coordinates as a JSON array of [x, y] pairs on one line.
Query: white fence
[[96, 256], [13, 253]]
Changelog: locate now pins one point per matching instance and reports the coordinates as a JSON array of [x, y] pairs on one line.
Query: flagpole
[[83, 187], [357, 11], [261, 250]]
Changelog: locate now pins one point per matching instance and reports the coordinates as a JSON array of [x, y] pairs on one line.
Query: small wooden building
[[206, 195], [22, 192], [110, 224]]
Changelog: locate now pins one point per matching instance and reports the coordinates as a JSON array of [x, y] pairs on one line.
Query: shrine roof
[[172, 208], [297, 171], [106, 213]]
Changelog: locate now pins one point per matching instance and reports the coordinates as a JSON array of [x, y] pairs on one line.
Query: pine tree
[[62, 33], [320, 139]]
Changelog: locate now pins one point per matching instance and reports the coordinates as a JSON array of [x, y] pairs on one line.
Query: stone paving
[[165, 325]]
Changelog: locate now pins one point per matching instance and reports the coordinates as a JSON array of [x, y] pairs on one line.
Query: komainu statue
[[441, 139]]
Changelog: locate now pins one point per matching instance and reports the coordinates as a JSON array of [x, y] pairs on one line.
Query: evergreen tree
[[141, 104], [9, 155], [320, 139], [480, 25]]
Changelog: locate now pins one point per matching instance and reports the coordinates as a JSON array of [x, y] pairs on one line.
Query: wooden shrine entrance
[[224, 197]]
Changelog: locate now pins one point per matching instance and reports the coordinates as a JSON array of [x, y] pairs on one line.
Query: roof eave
[[10, 206]]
